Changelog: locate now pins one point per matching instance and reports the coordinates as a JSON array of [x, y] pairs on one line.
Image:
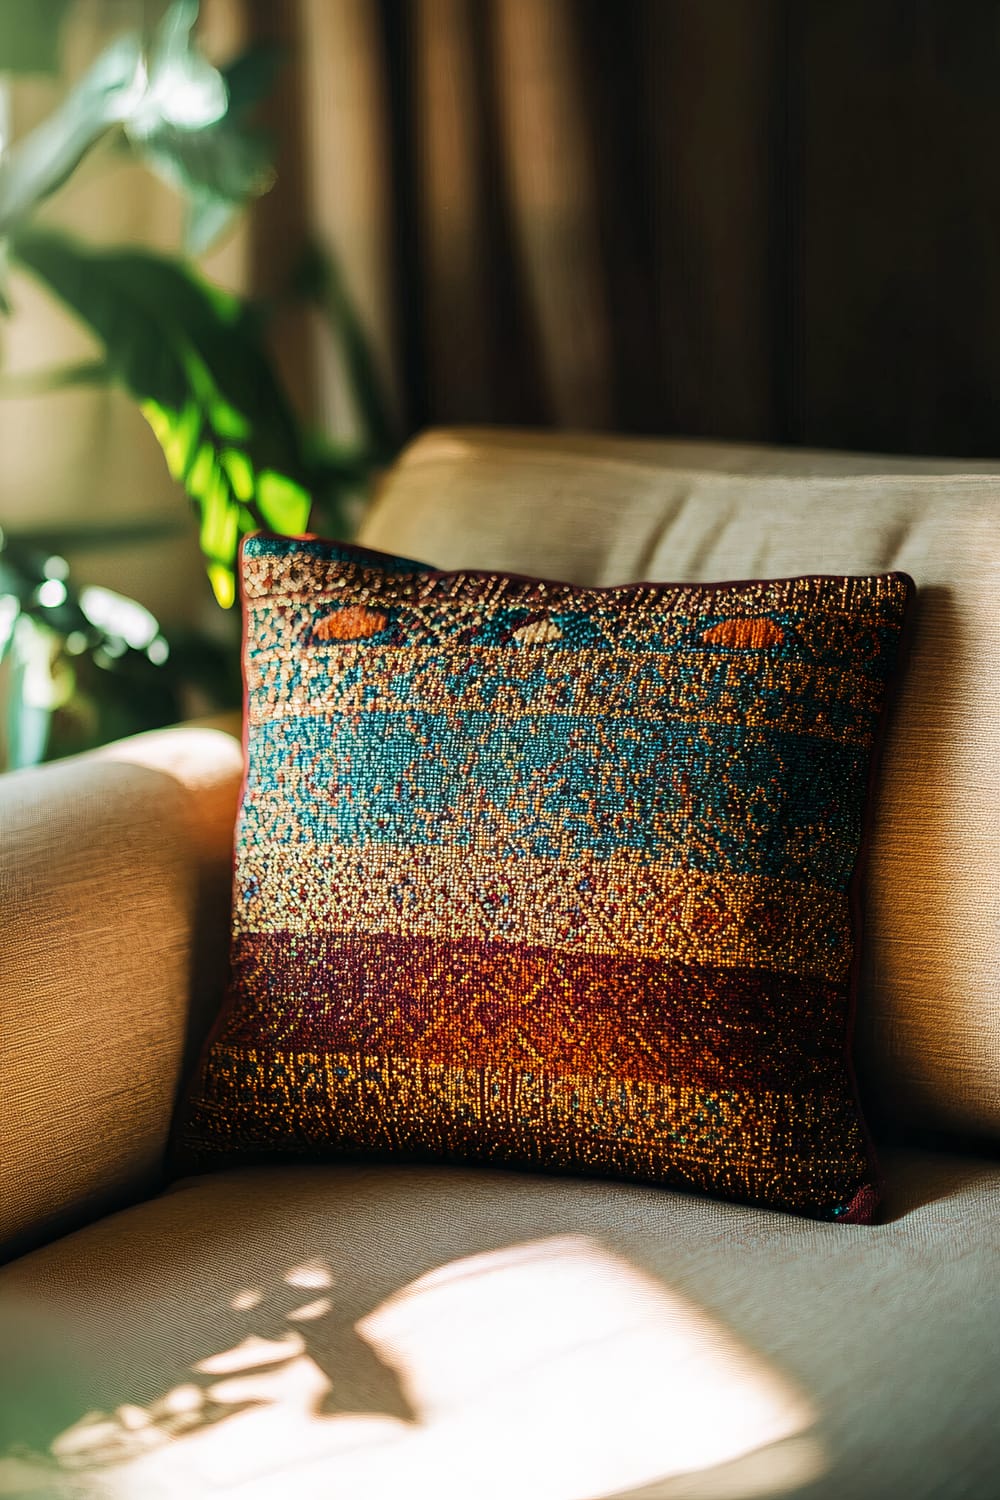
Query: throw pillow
[[553, 877]]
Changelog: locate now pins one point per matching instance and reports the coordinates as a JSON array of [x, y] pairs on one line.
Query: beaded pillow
[[552, 877]]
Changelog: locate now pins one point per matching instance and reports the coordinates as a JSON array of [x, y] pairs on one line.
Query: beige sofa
[[366, 1331]]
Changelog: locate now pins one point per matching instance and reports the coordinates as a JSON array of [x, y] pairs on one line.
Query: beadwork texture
[[553, 877]]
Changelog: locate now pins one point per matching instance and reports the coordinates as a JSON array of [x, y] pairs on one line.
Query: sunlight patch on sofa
[[551, 1370], [312, 1275]]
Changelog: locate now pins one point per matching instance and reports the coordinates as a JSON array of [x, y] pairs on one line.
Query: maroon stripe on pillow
[[474, 1003]]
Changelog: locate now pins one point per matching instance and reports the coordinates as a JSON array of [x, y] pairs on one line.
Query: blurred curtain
[[774, 221]]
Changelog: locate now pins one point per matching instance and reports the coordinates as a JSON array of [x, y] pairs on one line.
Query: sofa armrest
[[115, 882]]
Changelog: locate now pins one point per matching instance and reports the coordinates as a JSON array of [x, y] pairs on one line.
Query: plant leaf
[[31, 696], [29, 36], [42, 160], [88, 665], [251, 76], [9, 610], [189, 356], [5, 302], [206, 220], [62, 377], [217, 169], [183, 88], [215, 163]]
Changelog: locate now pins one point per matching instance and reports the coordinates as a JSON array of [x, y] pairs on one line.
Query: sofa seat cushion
[[371, 1331]]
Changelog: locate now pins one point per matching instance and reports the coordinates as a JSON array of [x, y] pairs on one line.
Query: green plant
[[193, 357], [87, 665]]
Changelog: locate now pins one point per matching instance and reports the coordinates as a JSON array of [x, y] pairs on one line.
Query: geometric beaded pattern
[[551, 877]]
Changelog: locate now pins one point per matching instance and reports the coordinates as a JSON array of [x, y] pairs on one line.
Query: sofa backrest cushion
[[595, 510]]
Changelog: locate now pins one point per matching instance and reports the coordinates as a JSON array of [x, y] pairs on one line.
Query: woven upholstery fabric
[[550, 876], [398, 1332], [604, 509], [115, 875]]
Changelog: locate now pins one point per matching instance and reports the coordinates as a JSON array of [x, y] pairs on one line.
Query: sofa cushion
[[443, 1333], [115, 880], [606, 510], [553, 877]]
